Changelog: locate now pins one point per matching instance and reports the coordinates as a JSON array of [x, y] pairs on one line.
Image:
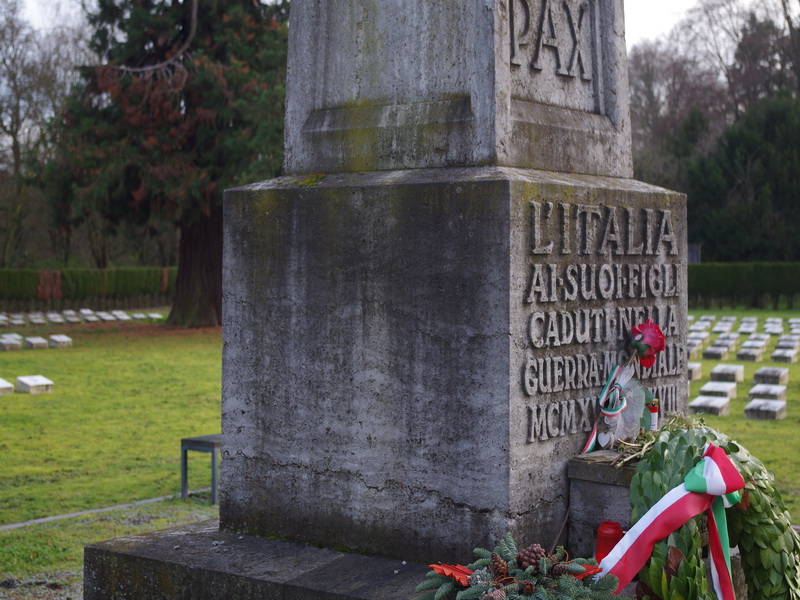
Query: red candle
[[608, 534]]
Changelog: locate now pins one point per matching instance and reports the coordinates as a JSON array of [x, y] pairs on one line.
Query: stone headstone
[[721, 328], [750, 354], [699, 326], [787, 356], [700, 336], [715, 353], [757, 344], [155, 315], [86, 311], [767, 392], [60, 341], [34, 384], [139, 316], [708, 318], [727, 373], [711, 405], [7, 344], [788, 342], [6, 387], [73, 319], [763, 337], [91, 318], [746, 328], [35, 343], [765, 410], [772, 376], [695, 371], [728, 319], [105, 316], [121, 315], [719, 388]]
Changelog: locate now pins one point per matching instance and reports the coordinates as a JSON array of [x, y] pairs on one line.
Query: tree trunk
[[198, 288]]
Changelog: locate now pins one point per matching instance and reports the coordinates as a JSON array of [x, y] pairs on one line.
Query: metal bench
[[202, 443]]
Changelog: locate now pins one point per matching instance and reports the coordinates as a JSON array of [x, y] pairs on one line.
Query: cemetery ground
[[109, 434], [126, 393]]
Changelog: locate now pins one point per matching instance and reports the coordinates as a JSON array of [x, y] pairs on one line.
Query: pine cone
[[499, 567], [531, 556], [496, 594], [558, 569], [528, 588]]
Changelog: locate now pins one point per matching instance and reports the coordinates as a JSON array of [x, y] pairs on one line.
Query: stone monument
[[419, 316]]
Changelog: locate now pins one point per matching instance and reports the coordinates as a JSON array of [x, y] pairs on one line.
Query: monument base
[[200, 562]]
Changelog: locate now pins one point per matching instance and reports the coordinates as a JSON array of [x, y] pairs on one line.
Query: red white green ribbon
[[710, 486], [611, 402]]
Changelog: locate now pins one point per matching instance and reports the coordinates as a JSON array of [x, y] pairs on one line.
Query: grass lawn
[[774, 443], [109, 434]]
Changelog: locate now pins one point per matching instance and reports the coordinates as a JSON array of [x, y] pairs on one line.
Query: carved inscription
[[553, 34], [625, 272]]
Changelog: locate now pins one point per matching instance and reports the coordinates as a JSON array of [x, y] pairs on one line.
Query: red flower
[[457, 572], [648, 340]]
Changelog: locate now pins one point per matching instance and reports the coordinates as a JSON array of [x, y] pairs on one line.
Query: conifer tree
[[188, 101]]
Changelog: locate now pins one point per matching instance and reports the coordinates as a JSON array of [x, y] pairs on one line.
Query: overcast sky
[[648, 19], [643, 18]]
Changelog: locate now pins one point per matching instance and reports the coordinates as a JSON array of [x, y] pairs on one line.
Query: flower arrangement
[[508, 573]]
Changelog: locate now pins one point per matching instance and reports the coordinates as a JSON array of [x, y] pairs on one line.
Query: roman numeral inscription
[[554, 35]]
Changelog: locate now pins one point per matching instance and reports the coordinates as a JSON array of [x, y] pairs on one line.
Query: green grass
[[110, 432], [774, 443], [58, 546]]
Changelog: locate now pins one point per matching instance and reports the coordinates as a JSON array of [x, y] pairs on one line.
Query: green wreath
[[759, 525]]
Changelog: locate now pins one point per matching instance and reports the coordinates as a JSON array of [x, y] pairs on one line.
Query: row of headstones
[[14, 341], [72, 317], [772, 325], [767, 398], [752, 349], [27, 384]]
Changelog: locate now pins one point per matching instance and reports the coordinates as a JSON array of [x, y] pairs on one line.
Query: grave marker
[[60, 341], [767, 392], [6, 387], [35, 343], [34, 384], [772, 376], [727, 373], [765, 410], [711, 405], [787, 356]]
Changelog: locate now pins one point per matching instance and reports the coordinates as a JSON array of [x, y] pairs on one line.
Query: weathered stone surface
[[757, 344], [6, 387], [35, 343], [767, 392], [60, 341], [765, 410], [375, 323], [719, 388], [9, 343], [772, 376], [200, 562], [384, 85], [788, 356], [750, 354], [711, 405], [715, 353], [34, 384], [727, 373], [695, 371], [597, 492]]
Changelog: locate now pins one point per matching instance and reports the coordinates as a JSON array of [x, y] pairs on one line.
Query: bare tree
[[36, 71]]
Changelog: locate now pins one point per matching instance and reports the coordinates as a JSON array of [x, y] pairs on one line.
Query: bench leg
[[184, 473]]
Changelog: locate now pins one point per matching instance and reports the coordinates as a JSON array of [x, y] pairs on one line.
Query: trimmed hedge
[[85, 284], [754, 285], [18, 284]]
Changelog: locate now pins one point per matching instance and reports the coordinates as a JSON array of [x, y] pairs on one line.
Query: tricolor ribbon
[[611, 402], [712, 485]]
